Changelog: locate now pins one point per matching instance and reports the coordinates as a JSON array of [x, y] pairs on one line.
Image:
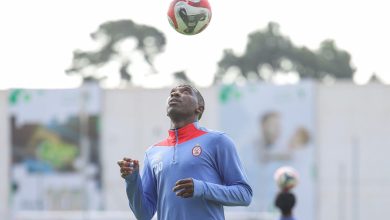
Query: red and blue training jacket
[[208, 157]]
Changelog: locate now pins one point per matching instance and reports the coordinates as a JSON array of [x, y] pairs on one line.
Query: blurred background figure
[[285, 202]]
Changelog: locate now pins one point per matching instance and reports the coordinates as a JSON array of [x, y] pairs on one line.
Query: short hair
[[285, 201], [198, 96]]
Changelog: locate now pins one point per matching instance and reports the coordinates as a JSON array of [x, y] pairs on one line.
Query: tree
[[181, 77], [269, 49], [149, 41]]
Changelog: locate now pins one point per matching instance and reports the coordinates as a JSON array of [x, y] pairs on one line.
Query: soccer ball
[[286, 178], [189, 17]]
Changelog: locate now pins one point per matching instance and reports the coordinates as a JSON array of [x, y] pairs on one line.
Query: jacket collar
[[188, 132]]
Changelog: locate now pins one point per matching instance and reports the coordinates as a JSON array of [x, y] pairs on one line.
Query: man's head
[[185, 101], [285, 201]]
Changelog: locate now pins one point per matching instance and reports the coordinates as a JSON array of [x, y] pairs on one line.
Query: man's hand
[[128, 166], [184, 188]]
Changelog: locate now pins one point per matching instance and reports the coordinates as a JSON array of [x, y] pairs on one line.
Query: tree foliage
[[149, 41], [182, 78], [269, 48]]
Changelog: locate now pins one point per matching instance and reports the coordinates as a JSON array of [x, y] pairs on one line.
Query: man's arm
[[235, 190], [141, 192]]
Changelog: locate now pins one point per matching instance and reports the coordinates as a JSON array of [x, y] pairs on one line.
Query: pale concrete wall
[[351, 122], [4, 155], [353, 139]]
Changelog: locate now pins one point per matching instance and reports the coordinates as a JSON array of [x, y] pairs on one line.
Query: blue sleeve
[[235, 190], [141, 192]]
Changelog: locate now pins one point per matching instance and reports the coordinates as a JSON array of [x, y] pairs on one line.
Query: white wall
[[352, 122], [353, 151], [4, 155], [133, 120]]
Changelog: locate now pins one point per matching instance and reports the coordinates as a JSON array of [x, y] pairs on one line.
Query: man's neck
[[175, 124], [287, 215]]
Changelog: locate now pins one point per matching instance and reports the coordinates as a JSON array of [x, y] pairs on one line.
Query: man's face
[[271, 129], [182, 102]]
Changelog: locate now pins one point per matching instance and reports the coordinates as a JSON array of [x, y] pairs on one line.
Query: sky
[[38, 37]]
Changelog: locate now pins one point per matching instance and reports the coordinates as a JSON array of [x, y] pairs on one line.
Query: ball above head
[[286, 178], [189, 17]]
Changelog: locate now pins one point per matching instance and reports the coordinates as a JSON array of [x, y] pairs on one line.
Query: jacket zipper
[[174, 147]]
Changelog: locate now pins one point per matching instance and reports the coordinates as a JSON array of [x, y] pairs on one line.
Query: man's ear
[[199, 110]]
